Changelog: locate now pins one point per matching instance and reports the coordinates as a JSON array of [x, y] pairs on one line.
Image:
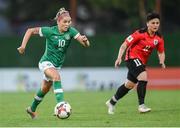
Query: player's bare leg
[[46, 85]]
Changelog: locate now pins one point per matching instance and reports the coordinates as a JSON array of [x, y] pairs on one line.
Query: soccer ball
[[63, 110]]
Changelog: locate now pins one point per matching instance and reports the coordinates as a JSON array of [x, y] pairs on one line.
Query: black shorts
[[135, 67]]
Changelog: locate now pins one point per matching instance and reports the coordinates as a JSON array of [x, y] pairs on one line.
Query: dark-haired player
[[139, 46]]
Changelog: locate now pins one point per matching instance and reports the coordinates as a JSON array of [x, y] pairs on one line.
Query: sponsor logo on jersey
[[67, 36], [130, 38], [155, 42]]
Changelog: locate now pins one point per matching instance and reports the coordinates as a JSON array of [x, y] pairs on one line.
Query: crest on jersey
[[155, 42], [67, 36], [129, 38]]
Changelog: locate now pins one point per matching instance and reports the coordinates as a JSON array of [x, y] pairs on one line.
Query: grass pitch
[[89, 110]]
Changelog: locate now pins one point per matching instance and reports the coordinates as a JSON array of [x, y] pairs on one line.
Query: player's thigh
[[142, 76], [50, 72], [53, 73]]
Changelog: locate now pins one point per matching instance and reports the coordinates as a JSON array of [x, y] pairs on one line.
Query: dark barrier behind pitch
[[102, 53]]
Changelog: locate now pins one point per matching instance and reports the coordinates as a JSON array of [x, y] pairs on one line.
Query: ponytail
[[60, 13]]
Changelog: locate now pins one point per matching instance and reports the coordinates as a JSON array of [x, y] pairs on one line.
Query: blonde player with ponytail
[[58, 39]]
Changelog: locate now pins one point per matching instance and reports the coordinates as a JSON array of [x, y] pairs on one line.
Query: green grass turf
[[89, 110]]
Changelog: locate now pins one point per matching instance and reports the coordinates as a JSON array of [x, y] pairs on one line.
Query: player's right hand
[[117, 62], [21, 50]]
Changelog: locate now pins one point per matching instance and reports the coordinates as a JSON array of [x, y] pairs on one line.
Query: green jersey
[[56, 44]]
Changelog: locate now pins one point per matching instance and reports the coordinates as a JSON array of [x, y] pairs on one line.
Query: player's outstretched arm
[[26, 38], [122, 49], [162, 59], [83, 40]]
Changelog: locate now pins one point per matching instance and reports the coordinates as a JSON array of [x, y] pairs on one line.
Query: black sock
[[141, 91], [121, 91]]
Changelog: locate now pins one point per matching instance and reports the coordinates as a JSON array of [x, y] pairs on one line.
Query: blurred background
[[106, 23]]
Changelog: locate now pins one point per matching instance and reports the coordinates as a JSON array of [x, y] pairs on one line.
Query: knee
[[129, 85], [56, 78]]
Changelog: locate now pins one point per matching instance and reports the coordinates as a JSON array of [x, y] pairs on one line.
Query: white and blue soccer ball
[[63, 110]]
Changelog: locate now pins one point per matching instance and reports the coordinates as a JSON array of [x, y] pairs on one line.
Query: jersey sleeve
[[74, 32], [134, 37], [45, 31], [160, 46]]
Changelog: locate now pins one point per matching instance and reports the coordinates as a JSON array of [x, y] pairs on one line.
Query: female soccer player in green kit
[[58, 39]]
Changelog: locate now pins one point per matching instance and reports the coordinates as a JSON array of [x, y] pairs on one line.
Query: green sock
[[58, 91], [37, 100]]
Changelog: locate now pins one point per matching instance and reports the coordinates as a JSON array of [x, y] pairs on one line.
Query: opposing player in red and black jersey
[[138, 47]]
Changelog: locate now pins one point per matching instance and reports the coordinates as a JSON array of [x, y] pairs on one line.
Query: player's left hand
[[21, 50], [163, 65], [85, 40]]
